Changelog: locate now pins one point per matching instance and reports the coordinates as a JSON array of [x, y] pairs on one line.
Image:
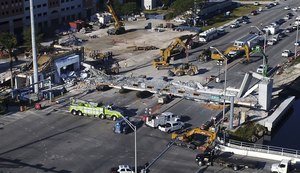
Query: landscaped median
[[221, 19]]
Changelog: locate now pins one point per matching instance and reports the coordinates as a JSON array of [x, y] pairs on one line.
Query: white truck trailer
[[208, 35], [251, 40]]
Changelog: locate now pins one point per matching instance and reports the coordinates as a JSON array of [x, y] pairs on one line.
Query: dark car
[[254, 12], [288, 30], [290, 14], [280, 21], [245, 17]]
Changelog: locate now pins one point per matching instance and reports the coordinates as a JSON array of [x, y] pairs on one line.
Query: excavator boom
[[167, 53], [118, 25]]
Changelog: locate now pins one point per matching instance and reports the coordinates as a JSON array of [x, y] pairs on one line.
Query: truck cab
[[282, 167]]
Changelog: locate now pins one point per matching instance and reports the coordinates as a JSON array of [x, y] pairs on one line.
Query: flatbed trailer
[[210, 159]]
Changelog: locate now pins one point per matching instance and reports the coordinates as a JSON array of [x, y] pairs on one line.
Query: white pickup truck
[[158, 120], [285, 166]]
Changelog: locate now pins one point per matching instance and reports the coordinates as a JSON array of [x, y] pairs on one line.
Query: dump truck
[[210, 158], [81, 107]]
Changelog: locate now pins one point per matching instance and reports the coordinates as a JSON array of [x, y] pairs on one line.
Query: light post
[[265, 36], [225, 81], [265, 42], [133, 127], [297, 34]]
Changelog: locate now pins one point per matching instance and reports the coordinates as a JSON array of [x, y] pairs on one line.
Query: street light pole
[[133, 127], [297, 34], [265, 36], [225, 82]]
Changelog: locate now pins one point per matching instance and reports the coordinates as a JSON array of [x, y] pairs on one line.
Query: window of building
[[39, 6], [27, 8], [68, 8], [44, 5], [79, 6], [44, 14], [72, 7], [63, 9], [27, 17], [62, 1]]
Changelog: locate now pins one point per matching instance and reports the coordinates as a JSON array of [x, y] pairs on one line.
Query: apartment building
[[15, 14]]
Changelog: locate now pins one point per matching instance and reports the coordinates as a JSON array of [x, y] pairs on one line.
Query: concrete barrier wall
[[257, 154]]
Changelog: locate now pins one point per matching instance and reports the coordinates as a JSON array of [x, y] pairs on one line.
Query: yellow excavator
[[231, 52], [186, 138], [164, 60], [119, 25]]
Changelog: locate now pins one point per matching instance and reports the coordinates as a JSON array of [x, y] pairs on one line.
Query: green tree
[[129, 8], [180, 6], [9, 42], [27, 39]]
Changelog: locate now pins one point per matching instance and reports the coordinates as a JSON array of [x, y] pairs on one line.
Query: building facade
[[15, 14]]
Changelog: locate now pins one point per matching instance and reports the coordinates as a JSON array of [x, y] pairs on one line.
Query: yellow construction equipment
[[187, 137], [166, 54], [119, 26], [184, 69], [216, 56]]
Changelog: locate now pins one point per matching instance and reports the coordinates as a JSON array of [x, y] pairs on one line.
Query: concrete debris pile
[[72, 78], [145, 48], [71, 40]]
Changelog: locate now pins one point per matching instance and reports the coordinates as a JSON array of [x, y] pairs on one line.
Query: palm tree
[[9, 42]]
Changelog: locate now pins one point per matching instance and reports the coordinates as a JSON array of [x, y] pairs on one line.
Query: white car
[[295, 9], [234, 25], [271, 42], [260, 69], [171, 126], [286, 53], [297, 43], [256, 3], [287, 8], [287, 17]]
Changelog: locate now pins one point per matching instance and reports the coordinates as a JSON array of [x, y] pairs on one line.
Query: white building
[[148, 4]]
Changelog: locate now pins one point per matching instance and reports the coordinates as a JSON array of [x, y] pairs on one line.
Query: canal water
[[287, 132]]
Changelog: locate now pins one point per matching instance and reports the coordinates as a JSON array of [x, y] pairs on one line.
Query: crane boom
[[118, 25]]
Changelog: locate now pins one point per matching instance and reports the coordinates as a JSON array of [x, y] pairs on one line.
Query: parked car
[[286, 53], [254, 12], [289, 30], [245, 17], [290, 14], [287, 17], [287, 7], [280, 21], [271, 42], [256, 3], [297, 43], [246, 21], [171, 126], [260, 69], [234, 25], [295, 9]]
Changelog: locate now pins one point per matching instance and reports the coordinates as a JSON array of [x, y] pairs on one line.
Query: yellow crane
[[188, 136], [119, 25], [166, 53], [216, 56]]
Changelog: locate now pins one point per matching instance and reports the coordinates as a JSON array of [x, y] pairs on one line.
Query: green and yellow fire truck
[[81, 107]]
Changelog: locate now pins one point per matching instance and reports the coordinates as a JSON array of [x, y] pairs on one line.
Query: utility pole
[[34, 58]]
